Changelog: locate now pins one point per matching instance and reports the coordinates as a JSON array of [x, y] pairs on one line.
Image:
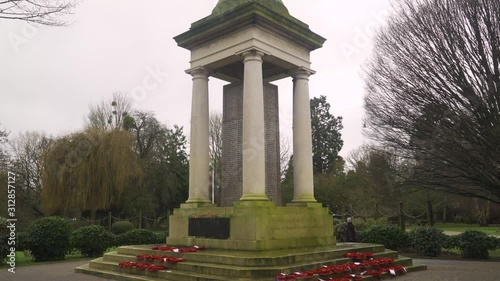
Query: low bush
[[139, 237], [340, 231], [496, 243], [392, 237], [451, 242], [427, 241], [464, 219], [22, 241], [120, 227], [4, 238], [49, 238], [340, 226], [473, 244], [92, 240], [161, 238], [364, 224]]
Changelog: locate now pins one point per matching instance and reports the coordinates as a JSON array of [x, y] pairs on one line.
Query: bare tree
[[4, 155], [147, 131], [44, 12], [109, 115], [28, 149], [285, 153], [434, 93], [215, 145]]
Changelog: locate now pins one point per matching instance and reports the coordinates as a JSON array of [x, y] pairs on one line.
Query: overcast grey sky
[[50, 75]]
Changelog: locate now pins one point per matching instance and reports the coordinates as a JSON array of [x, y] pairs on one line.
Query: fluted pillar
[[302, 140], [199, 150], [254, 176]]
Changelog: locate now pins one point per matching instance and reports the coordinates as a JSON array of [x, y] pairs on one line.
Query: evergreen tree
[[326, 136]]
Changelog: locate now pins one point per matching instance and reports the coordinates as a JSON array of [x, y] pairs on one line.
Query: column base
[[305, 204], [254, 197], [258, 204], [305, 199], [196, 204]]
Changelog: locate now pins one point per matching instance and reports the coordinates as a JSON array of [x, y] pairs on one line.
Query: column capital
[[302, 73], [252, 53], [199, 72]]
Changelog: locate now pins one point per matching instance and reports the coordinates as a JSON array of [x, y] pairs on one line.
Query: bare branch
[[43, 12], [433, 93]]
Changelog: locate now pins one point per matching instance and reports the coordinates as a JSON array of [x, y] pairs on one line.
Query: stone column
[[302, 140], [199, 150], [254, 161]]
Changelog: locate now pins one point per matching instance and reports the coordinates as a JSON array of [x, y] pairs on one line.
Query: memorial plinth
[[258, 227]]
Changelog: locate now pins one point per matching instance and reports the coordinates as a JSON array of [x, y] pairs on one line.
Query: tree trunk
[[92, 216], [430, 213]]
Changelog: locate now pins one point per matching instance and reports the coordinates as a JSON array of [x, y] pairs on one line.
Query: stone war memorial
[[250, 236]]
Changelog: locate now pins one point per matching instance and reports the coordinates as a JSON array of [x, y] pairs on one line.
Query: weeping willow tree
[[88, 170]]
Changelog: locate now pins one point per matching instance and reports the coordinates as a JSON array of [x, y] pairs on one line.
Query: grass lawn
[[494, 255], [493, 229], [24, 258], [449, 254]]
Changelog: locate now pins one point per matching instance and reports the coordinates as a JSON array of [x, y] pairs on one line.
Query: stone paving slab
[[451, 270], [438, 270]]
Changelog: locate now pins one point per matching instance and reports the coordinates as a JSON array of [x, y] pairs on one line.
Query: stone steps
[[213, 265], [274, 258], [301, 266], [230, 271], [188, 276]]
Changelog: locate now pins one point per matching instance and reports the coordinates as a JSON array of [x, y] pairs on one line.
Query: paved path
[[438, 270], [61, 271], [450, 270]]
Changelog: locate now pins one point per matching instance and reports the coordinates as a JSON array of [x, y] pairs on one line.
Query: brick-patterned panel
[[232, 133]]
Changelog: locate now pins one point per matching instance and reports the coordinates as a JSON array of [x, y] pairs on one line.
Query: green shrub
[[4, 239], [120, 227], [392, 237], [340, 231], [451, 242], [464, 219], [22, 241], [496, 243], [427, 241], [161, 238], [139, 237], [340, 226], [364, 224], [475, 244], [92, 240], [49, 238]]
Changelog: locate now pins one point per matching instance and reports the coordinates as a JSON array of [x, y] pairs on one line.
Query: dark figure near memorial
[[351, 231]]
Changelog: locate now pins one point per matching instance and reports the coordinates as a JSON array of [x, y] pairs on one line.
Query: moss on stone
[[224, 6], [249, 12]]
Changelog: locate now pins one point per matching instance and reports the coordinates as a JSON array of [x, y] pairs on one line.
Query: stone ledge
[[256, 245]]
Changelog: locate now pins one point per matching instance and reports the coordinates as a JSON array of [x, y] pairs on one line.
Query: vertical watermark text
[[11, 221]]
